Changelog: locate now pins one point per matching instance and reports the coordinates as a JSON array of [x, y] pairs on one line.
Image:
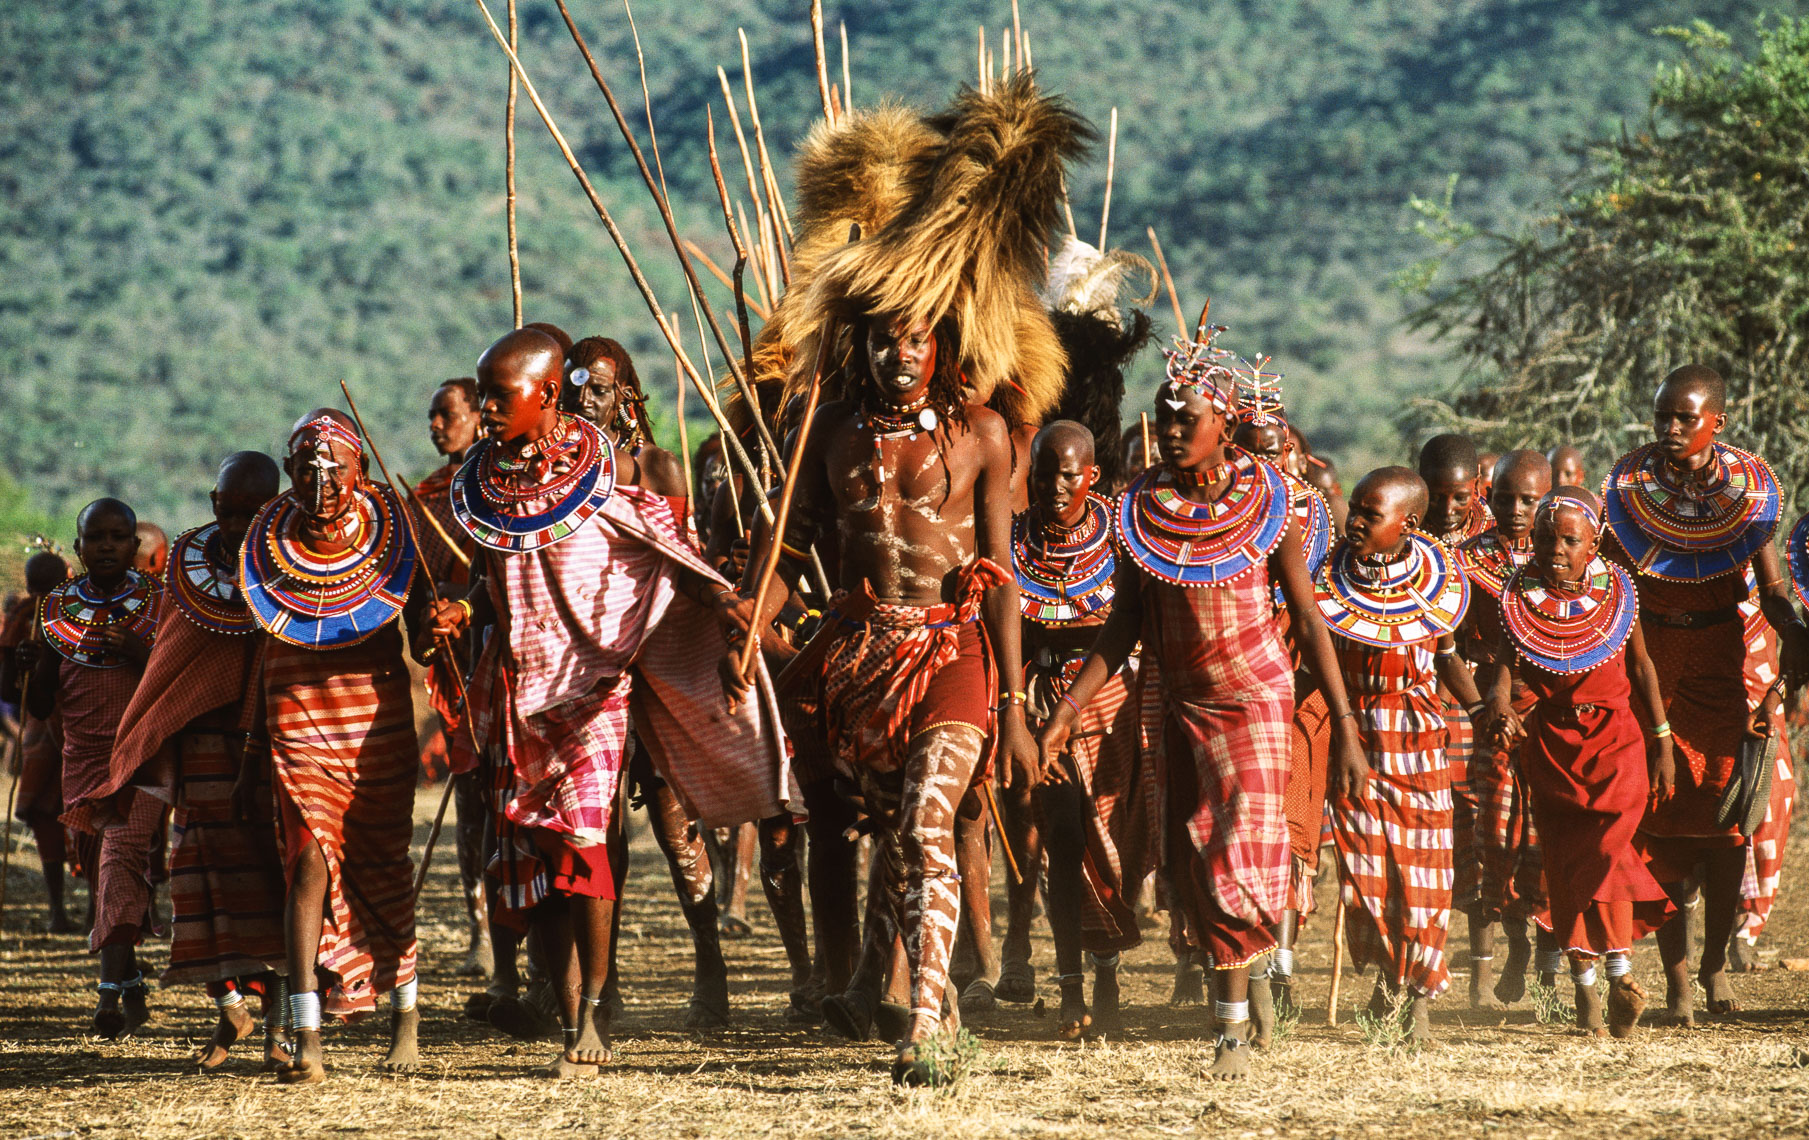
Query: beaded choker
[[1488, 561], [1205, 544], [541, 494], [1685, 527], [1184, 477], [75, 614], [1315, 521], [1570, 632], [327, 601], [1414, 596], [1796, 556], [1064, 575], [204, 582]]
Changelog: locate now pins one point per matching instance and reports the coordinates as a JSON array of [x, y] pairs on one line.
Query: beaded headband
[[1553, 503], [1197, 366], [328, 430]]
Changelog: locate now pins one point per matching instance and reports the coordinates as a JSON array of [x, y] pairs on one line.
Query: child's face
[[1682, 425], [1192, 435], [1267, 441], [1379, 519], [106, 545], [1450, 495], [1564, 542], [1515, 500], [511, 405], [1061, 474], [233, 510]]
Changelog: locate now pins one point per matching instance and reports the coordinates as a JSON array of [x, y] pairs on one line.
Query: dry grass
[[1495, 1072]]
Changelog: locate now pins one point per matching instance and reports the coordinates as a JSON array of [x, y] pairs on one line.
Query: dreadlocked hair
[[631, 402], [1098, 350]]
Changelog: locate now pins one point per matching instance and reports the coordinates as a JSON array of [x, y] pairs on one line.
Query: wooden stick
[[509, 176], [753, 114], [684, 435], [1105, 213], [747, 161], [1148, 455], [621, 243], [1162, 262], [1068, 209], [464, 559], [12, 793], [717, 272], [1029, 55], [759, 262], [752, 646], [847, 83], [1017, 36], [741, 301], [816, 40], [998, 821], [980, 60], [1005, 67], [1331, 1005], [443, 644]]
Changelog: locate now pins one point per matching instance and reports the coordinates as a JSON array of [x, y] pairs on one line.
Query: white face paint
[[323, 464]]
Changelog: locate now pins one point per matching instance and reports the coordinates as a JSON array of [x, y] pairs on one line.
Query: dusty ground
[[1492, 1072]]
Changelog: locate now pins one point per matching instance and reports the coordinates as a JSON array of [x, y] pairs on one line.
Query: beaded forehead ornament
[[76, 612], [204, 582], [1690, 527], [1064, 575], [1415, 596], [1563, 632]]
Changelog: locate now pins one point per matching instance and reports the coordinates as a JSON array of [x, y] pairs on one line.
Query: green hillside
[[213, 212]]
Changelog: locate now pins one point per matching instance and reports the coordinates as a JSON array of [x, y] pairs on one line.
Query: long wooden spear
[[509, 175], [1105, 213], [816, 39], [634, 268], [1173, 297], [444, 645], [1331, 1005], [464, 559]]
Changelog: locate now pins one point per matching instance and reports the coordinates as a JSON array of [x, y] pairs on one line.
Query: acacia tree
[[1676, 244]]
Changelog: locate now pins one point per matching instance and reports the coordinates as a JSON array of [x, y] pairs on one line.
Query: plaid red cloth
[[1394, 846], [342, 738], [1227, 700], [122, 888], [1585, 767], [1504, 835], [1765, 854], [226, 875], [434, 496], [1309, 770]]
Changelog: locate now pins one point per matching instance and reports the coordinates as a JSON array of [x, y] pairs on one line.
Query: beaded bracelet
[[1662, 731], [1011, 699], [1069, 701]]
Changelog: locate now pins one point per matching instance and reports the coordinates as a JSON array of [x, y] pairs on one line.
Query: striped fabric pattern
[[1765, 854], [342, 739], [1505, 835], [1394, 846], [91, 702], [122, 890]]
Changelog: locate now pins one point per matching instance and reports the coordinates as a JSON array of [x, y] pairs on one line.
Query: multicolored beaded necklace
[[1315, 521], [328, 601], [909, 421], [1570, 631], [74, 614], [1204, 544], [204, 582], [1064, 574], [1414, 596], [1489, 561], [539, 495], [1796, 555], [1684, 526]]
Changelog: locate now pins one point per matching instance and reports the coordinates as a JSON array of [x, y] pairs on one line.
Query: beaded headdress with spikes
[[323, 431], [1258, 393], [1198, 366]]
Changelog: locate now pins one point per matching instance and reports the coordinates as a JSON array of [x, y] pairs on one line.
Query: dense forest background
[[215, 211]]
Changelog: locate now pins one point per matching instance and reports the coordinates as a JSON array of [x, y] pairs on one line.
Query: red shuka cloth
[[1585, 763]]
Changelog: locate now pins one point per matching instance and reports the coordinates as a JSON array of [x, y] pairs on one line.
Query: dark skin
[[1451, 495], [1567, 466], [1193, 437], [654, 467], [153, 550], [1267, 441], [451, 422], [1485, 465], [519, 380], [1519, 483]]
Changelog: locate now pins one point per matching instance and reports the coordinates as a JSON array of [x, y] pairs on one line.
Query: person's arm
[[1497, 676], [1660, 763], [1111, 648], [453, 616], [1455, 674], [1000, 609], [42, 672], [1349, 774], [1780, 610]]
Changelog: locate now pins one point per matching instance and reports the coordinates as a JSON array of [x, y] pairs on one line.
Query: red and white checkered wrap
[[1394, 846], [1765, 854], [568, 763], [1504, 834], [1121, 825], [581, 613], [1227, 702], [91, 702]]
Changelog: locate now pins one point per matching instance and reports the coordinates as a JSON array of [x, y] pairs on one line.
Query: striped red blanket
[[343, 750], [1765, 854], [1394, 845]]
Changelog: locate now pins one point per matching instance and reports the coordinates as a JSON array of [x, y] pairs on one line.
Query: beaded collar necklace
[[327, 601], [1690, 526], [204, 582], [1064, 573], [1314, 518], [538, 496], [1414, 596], [1186, 543], [75, 613], [1488, 560], [1570, 631]]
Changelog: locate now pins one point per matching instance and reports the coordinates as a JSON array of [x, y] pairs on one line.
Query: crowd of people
[[959, 605]]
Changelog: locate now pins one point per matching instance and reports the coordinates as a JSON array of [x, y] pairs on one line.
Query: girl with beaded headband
[[1262, 429], [1568, 631], [1204, 534], [1393, 598], [1686, 515]]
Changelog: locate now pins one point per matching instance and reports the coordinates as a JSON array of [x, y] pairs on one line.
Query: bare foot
[[1589, 1012], [109, 1020], [1075, 1021], [1419, 1020], [709, 1007], [1106, 1017], [480, 955], [912, 1070], [1743, 956], [1190, 983], [1381, 1002], [308, 1066], [235, 1024], [1626, 1001], [562, 1068], [734, 928], [518, 1019], [136, 1006], [404, 1054], [1510, 987], [1680, 1006], [1231, 1060], [1721, 1000], [592, 1047]]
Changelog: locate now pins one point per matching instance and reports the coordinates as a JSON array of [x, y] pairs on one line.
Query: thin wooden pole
[[509, 175], [1105, 213], [1167, 281], [1148, 455], [684, 434], [1017, 36], [747, 160], [753, 114], [464, 559], [847, 83], [1331, 1005], [816, 40], [998, 821], [719, 273]]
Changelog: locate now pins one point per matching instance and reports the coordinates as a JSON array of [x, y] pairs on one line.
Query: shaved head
[[1068, 434], [1450, 455], [112, 508], [250, 473], [526, 353], [1517, 462], [43, 571], [1402, 487], [1701, 379], [564, 338]]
